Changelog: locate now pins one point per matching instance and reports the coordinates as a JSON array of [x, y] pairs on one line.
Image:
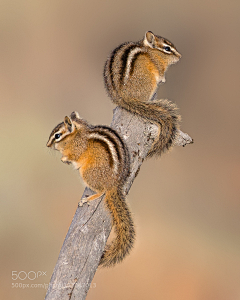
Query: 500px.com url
[[30, 285]]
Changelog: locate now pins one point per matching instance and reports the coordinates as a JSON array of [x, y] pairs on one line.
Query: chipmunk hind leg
[[90, 198]]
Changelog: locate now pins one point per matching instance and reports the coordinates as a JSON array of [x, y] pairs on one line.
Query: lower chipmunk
[[102, 159]]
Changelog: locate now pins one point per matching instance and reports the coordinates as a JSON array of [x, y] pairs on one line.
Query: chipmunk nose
[[50, 145]]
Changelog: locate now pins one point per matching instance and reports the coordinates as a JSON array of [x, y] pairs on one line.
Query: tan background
[[188, 236]]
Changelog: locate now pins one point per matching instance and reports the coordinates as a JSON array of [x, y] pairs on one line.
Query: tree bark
[[88, 233]]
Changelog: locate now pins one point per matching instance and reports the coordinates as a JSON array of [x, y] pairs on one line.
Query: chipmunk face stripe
[[110, 147], [58, 129], [167, 44]]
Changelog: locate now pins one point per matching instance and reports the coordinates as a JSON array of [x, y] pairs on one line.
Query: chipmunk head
[[168, 50], [69, 137], [61, 131]]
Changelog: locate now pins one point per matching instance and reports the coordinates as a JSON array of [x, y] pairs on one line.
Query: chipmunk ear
[[69, 124], [75, 115], [149, 39]]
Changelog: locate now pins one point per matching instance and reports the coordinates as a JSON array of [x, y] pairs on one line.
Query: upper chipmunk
[[102, 159], [132, 74]]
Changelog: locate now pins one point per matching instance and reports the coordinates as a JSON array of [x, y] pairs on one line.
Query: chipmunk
[[102, 159], [132, 74]]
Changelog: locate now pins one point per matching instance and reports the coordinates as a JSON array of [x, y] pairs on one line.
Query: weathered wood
[[86, 238]]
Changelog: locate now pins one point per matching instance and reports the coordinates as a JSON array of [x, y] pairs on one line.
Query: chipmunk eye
[[166, 48], [57, 136]]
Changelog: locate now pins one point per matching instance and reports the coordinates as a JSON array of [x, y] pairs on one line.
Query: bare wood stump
[[86, 238]]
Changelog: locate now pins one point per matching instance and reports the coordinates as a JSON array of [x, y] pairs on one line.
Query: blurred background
[[52, 55]]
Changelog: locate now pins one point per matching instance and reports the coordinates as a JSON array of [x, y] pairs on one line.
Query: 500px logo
[[31, 275]]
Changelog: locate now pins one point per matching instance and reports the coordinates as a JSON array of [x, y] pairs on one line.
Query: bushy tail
[[123, 226], [163, 113]]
